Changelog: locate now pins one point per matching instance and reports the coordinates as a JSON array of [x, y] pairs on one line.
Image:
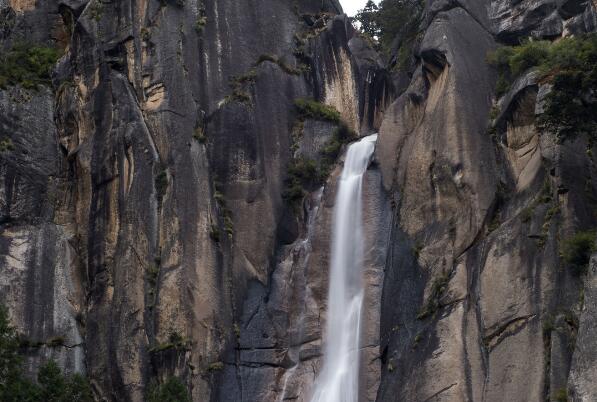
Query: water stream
[[338, 380]]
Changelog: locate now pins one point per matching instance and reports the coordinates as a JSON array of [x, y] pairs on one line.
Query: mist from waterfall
[[338, 380]]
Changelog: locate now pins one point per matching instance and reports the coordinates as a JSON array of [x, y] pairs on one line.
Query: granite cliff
[[166, 199]]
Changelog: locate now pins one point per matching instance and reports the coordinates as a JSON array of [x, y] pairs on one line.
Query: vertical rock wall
[[486, 309], [141, 202]]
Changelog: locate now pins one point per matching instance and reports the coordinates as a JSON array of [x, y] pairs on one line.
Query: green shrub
[[175, 341], [217, 366], [172, 390], [287, 68], [238, 85], [432, 304], [56, 342], [527, 214], [28, 65], [528, 55], [153, 273], [308, 108], [199, 135], [561, 395], [96, 11], [201, 20], [391, 21], [303, 169], [304, 172], [576, 251], [145, 34], [161, 183], [6, 145], [570, 64]]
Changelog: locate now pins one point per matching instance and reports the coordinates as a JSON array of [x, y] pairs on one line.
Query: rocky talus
[[147, 232]]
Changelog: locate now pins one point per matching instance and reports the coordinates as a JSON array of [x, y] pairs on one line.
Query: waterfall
[[339, 378]]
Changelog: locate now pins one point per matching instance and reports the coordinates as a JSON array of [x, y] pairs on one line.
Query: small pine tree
[[367, 17], [53, 384]]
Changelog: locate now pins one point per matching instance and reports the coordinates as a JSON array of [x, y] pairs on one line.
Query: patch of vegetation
[[305, 173], [570, 65], [6, 145], [172, 390], [239, 84], [418, 247], [527, 214], [161, 183], [287, 68], [331, 150], [153, 273], [214, 233], [561, 395], [217, 366], [199, 135], [201, 20], [28, 65], [56, 341], [175, 342], [302, 172], [145, 34], [224, 212], [551, 212], [494, 224], [390, 21], [311, 109], [576, 251], [548, 325], [51, 384], [96, 10], [228, 225], [432, 304], [417, 340]]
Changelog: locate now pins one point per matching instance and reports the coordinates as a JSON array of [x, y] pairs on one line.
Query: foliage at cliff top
[[392, 20], [570, 65], [28, 65], [51, 385]]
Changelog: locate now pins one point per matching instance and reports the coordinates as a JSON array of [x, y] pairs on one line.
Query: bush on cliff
[[576, 251], [308, 108], [570, 66], [393, 26], [28, 65]]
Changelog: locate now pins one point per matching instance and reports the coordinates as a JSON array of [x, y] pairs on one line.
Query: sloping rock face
[[142, 218], [477, 305]]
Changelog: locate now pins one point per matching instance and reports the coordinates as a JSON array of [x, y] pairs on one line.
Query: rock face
[[143, 232], [487, 311], [141, 198]]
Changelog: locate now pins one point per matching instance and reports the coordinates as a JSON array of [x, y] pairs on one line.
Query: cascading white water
[[339, 378]]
